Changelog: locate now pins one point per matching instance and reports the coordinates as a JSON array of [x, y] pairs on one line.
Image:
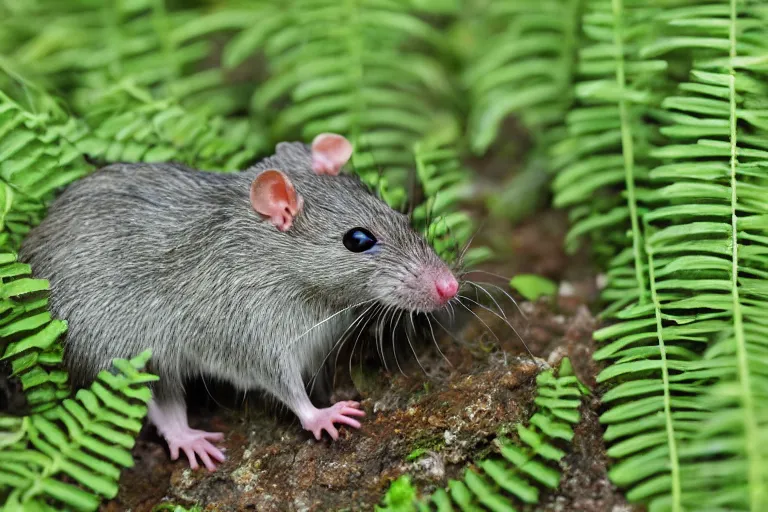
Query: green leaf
[[532, 286]]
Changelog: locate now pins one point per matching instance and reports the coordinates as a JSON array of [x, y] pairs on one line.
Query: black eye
[[359, 240]]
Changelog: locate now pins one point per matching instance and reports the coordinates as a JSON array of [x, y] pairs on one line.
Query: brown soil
[[483, 386]]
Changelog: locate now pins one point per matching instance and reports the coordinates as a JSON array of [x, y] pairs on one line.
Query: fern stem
[[627, 147], [755, 478], [674, 461]]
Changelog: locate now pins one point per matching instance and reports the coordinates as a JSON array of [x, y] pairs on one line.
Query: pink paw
[[196, 443], [323, 419]]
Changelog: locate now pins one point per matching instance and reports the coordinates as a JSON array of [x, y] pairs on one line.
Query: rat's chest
[[325, 335]]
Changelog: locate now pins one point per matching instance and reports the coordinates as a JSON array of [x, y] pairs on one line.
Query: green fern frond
[[83, 46], [30, 337], [521, 62], [519, 59], [686, 417], [445, 182], [349, 68], [717, 121], [523, 468], [36, 158], [608, 145], [86, 439], [128, 124]]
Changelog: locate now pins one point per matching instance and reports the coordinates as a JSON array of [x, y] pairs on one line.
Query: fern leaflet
[[87, 438]]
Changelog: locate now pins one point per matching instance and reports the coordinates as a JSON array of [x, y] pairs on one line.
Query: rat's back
[[117, 246]]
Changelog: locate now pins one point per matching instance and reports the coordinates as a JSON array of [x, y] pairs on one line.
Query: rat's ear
[[329, 153], [273, 196]]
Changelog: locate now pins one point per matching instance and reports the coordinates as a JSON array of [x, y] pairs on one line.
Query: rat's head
[[352, 245]]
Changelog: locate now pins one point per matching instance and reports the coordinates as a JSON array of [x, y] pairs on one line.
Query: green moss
[[415, 454], [506, 429], [176, 508], [432, 443]]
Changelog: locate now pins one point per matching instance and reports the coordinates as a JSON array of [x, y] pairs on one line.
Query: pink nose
[[446, 287]]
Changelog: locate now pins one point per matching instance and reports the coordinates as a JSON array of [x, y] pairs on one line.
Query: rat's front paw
[[323, 419], [196, 443]]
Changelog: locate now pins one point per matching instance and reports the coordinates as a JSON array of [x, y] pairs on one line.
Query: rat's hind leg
[[168, 412]]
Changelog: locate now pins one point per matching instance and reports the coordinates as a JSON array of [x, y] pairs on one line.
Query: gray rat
[[249, 277]]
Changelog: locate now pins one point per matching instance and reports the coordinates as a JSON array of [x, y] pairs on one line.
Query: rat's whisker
[[387, 320], [337, 345], [506, 294], [360, 332], [506, 321], [507, 279], [481, 320], [435, 341], [205, 385], [449, 333], [394, 350], [377, 328], [469, 241], [344, 337], [411, 344], [478, 287], [451, 311], [377, 336], [318, 324], [389, 313]]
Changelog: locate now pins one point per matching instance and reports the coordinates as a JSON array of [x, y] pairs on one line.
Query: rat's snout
[[446, 286], [428, 288]]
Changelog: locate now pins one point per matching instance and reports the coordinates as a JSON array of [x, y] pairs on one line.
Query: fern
[[519, 59], [36, 158], [83, 46], [87, 438], [686, 418], [344, 69], [499, 483], [445, 183], [61, 436], [523, 66], [35, 352], [130, 125], [608, 144], [143, 97]]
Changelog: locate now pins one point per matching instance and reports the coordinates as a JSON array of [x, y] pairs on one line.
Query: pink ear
[[329, 153], [273, 196]]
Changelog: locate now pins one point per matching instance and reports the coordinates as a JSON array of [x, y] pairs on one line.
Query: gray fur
[[164, 257]]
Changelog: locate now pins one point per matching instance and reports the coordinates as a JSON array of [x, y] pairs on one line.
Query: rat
[[249, 277]]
